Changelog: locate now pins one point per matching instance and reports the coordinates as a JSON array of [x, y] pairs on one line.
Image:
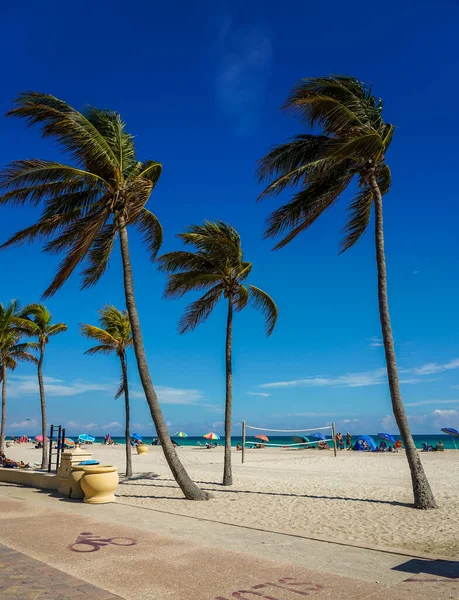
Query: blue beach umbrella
[[318, 436], [388, 437], [136, 436], [452, 432], [84, 437]]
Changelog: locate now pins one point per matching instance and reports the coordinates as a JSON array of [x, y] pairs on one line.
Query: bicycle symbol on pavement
[[89, 542]]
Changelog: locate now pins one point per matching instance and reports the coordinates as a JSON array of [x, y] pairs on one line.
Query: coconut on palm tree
[[352, 145], [114, 336], [12, 351], [87, 204], [40, 326], [216, 266]]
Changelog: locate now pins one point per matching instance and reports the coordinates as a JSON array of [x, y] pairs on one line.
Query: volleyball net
[[302, 438]]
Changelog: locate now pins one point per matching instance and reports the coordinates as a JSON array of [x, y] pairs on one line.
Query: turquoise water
[[431, 440]]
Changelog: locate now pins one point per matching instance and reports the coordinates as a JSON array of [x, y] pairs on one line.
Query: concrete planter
[[99, 483], [142, 448], [75, 491]]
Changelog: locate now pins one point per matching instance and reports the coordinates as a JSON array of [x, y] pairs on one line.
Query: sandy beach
[[357, 497]]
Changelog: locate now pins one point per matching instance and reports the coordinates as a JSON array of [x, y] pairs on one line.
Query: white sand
[[358, 497]]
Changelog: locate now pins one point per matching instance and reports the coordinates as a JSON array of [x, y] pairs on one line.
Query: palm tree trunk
[[227, 471], [41, 386], [423, 496], [188, 487], [127, 431], [3, 426]]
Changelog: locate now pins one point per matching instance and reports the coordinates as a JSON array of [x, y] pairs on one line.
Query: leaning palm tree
[[40, 327], [216, 265], [353, 144], [114, 336], [86, 205], [12, 351]]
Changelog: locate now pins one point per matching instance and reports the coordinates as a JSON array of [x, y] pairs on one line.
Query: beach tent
[[84, 437], [387, 437], [299, 440], [368, 439], [452, 432]]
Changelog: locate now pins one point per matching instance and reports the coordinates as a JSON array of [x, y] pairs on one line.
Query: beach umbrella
[[388, 437], [84, 437], [39, 438], [264, 438], [211, 436], [69, 442], [136, 436], [318, 435], [180, 434], [452, 432]]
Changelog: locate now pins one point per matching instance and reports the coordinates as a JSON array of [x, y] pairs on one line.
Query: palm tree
[[216, 265], [86, 205], [353, 144], [40, 326], [114, 336], [11, 352]]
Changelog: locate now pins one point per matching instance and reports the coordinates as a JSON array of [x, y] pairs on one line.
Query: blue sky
[[200, 86]]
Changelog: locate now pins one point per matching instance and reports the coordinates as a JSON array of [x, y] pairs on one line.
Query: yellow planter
[[75, 491], [99, 483], [142, 448]]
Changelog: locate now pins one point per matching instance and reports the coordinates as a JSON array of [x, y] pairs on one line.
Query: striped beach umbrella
[[211, 436], [180, 434]]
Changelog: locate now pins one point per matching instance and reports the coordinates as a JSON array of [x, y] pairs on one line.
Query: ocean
[[430, 439]]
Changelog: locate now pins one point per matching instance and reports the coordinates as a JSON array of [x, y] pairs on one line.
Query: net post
[[334, 438], [243, 441]]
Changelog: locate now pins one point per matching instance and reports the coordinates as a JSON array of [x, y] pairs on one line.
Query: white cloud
[[375, 341], [113, 425], [445, 413], [26, 424], [262, 394], [244, 57], [424, 402], [171, 395], [366, 378], [375, 377], [432, 368], [389, 423], [22, 385]]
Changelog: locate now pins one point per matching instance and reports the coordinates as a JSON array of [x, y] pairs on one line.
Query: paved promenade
[[62, 550]]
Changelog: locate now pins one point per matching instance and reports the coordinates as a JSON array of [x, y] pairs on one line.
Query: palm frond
[[246, 268], [56, 329], [216, 239], [307, 206], [71, 129], [101, 349], [360, 210], [240, 298], [261, 301], [185, 261], [120, 390], [97, 333], [99, 255], [179, 284], [198, 311], [152, 232]]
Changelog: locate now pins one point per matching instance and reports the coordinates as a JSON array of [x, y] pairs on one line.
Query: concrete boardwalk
[[160, 557]]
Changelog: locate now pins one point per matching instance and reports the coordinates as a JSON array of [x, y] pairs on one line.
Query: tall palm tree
[[86, 204], [353, 144], [40, 326], [114, 336], [11, 352], [216, 265]]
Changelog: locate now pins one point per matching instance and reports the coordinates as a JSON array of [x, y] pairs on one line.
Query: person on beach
[[348, 441], [440, 447], [340, 441]]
